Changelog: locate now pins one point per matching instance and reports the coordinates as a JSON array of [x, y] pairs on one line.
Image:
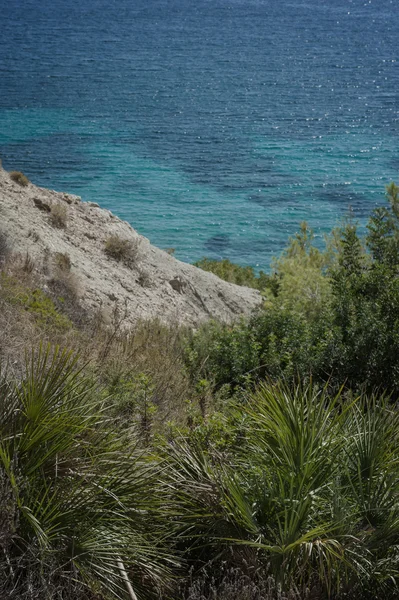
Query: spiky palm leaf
[[278, 498], [84, 501]]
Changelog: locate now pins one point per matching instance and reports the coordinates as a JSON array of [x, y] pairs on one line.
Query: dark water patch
[[272, 197], [126, 183], [269, 243], [244, 251], [217, 244], [393, 163], [346, 198], [229, 174], [51, 157], [260, 199]]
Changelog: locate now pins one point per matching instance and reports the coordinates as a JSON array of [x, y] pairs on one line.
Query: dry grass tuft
[[19, 178], [62, 261], [122, 250], [5, 248], [240, 585], [28, 265], [144, 279], [59, 216]]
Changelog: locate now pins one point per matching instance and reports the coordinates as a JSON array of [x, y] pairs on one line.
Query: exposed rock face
[[151, 284]]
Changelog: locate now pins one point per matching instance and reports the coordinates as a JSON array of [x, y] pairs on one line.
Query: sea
[[215, 127]]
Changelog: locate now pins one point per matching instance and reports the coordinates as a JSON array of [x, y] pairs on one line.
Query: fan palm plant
[[311, 495], [83, 507], [370, 483]]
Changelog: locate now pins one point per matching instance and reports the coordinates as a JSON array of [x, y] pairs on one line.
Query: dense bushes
[[276, 342], [334, 316], [236, 274], [366, 300]]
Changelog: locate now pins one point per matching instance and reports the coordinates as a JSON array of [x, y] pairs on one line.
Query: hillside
[[148, 282]]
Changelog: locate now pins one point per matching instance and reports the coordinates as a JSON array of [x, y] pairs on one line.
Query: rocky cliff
[[111, 263]]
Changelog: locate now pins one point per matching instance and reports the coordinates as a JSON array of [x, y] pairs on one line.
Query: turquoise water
[[212, 126]]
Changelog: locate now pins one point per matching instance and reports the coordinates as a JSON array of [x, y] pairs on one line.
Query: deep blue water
[[213, 126]]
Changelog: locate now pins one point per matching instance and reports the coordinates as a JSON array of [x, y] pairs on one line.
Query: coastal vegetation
[[233, 273], [254, 461], [331, 315]]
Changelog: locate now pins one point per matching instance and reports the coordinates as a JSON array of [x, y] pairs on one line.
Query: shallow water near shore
[[214, 126]]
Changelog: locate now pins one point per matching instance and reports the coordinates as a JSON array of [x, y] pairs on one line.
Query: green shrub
[[236, 274], [35, 302], [303, 283], [224, 354], [19, 178], [334, 315], [365, 301], [44, 311], [275, 342]]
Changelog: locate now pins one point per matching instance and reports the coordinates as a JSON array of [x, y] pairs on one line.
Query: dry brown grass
[[23, 305], [62, 261], [5, 247], [115, 356], [123, 250], [144, 279], [59, 216], [156, 351], [20, 327], [19, 178], [237, 584]]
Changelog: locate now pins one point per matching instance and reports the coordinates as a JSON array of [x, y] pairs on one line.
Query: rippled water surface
[[213, 126]]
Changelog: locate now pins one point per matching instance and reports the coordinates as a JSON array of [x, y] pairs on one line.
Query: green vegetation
[[236, 274], [308, 495], [35, 302], [255, 461], [302, 496], [81, 502], [19, 178], [334, 315]]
